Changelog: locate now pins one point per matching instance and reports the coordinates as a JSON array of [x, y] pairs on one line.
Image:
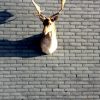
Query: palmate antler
[[39, 11], [42, 16], [62, 6]]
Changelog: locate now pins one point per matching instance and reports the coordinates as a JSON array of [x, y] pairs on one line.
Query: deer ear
[[54, 18]]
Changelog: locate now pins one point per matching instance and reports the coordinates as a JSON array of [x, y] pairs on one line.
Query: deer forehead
[[47, 22]]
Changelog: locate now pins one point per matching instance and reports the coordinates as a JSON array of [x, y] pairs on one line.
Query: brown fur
[[46, 39]]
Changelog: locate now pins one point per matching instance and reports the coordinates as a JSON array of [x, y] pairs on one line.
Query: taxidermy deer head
[[49, 40]]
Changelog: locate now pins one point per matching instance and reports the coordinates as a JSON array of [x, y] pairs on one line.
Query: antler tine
[[38, 10], [62, 6]]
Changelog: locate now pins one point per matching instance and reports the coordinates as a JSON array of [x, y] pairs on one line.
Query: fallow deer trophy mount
[[48, 42]]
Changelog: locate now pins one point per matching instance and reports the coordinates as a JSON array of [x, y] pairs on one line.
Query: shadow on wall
[[28, 47], [5, 16]]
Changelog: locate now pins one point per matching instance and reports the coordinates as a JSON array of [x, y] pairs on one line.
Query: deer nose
[[45, 31]]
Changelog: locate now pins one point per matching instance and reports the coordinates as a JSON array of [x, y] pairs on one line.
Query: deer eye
[[52, 19]]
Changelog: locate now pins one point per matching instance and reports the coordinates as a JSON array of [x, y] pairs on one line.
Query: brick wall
[[71, 73]]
